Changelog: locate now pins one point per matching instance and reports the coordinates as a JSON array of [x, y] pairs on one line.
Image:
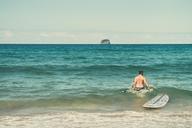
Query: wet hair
[[141, 72]]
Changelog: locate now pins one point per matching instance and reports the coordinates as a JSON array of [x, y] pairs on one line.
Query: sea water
[[92, 77]]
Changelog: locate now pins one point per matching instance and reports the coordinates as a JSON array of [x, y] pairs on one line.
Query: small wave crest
[[114, 99], [36, 70]]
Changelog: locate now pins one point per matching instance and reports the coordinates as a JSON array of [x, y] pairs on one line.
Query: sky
[[89, 21]]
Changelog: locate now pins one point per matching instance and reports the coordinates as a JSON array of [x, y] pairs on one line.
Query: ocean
[[90, 77]]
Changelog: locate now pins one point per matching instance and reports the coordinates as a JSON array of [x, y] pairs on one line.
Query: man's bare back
[[140, 81]]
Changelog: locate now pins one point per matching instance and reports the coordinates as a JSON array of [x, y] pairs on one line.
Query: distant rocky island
[[105, 41]]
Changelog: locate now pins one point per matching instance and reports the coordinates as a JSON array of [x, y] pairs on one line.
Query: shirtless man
[[140, 82]]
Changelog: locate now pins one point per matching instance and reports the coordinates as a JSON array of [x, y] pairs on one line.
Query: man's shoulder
[[144, 77], [141, 77], [138, 77]]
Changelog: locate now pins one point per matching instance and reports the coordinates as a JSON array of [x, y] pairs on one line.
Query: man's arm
[[146, 83], [134, 83]]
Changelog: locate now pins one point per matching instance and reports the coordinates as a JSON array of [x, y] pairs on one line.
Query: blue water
[[92, 77]]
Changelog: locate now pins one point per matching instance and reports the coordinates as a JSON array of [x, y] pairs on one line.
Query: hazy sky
[[89, 21]]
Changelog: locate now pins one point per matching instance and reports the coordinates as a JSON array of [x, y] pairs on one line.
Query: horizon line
[[94, 43]]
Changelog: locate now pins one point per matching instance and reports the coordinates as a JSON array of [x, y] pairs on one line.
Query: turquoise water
[[92, 77]]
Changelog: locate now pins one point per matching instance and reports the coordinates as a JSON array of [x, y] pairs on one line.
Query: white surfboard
[[158, 101]]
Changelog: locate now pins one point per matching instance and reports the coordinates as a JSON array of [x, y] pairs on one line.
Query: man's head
[[141, 72]]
